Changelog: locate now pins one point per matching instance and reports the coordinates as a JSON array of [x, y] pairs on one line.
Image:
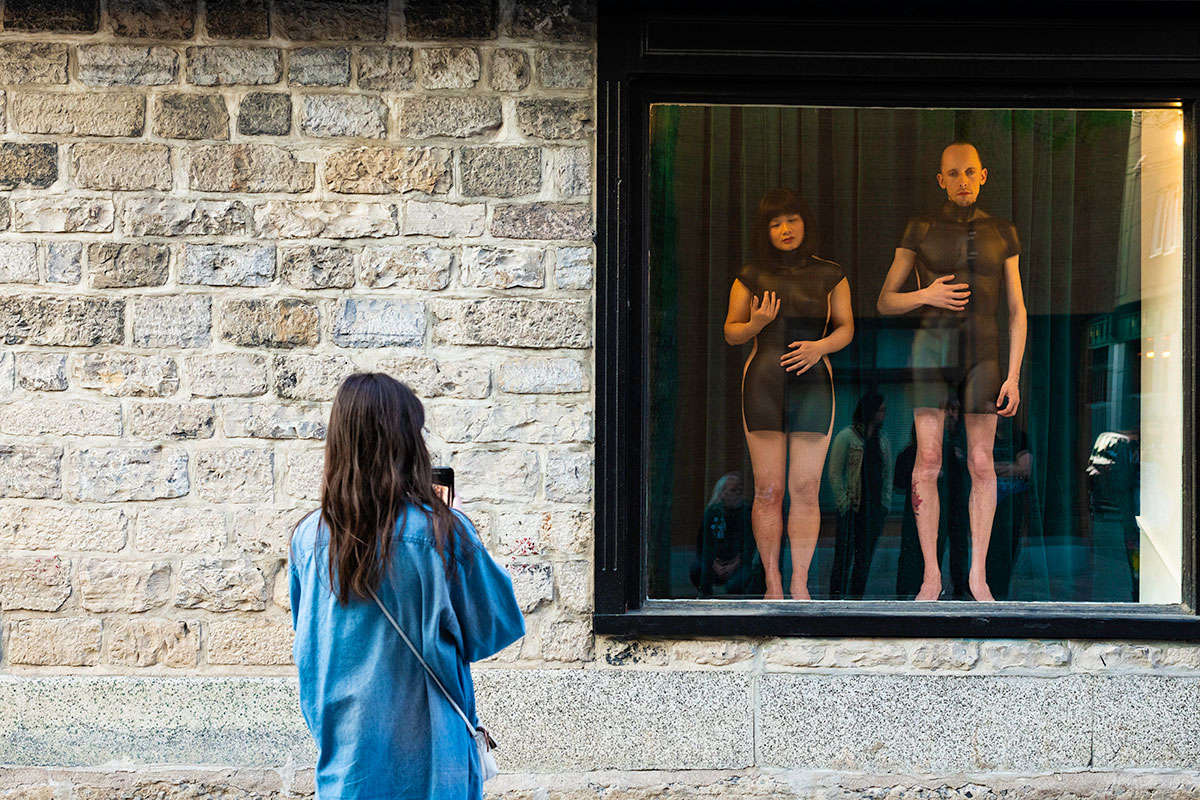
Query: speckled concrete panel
[[1146, 721], [918, 723], [609, 719], [80, 721]]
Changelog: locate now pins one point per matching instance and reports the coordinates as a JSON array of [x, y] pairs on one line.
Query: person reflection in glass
[[796, 308], [964, 259], [724, 548]]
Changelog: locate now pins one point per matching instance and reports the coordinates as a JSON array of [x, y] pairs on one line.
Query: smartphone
[[443, 484]]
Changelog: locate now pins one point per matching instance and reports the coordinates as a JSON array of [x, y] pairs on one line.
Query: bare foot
[[931, 589], [774, 587], [979, 590], [800, 590]]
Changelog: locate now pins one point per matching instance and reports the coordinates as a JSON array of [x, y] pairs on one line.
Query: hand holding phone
[[443, 484]]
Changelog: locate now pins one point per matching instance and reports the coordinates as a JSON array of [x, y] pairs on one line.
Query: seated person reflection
[[796, 308], [725, 548], [964, 258]]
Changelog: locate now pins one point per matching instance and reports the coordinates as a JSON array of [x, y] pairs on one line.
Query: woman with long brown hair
[[382, 727]]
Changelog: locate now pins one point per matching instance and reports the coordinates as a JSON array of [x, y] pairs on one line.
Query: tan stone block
[[52, 215], [146, 642], [284, 219], [247, 168], [61, 418], [304, 474], [575, 586], [235, 475], [57, 528], [227, 375], [118, 474], [713, 654], [79, 113], [265, 530], [438, 377], [34, 584], [54, 642], [386, 170], [566, 640], [221, 585], [121, 167], [179, 530], [270, 323], [945, 655], [134, 586], [281, 593], [249, 642], [31, 471], [158, 421], [127, 375]]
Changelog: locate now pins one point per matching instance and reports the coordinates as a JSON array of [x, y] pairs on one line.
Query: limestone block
[[281, 592], [283, 219], [388, 69], [543, 221], [161, 421], [554, 21], [945, 655], [172, 321], [127, 65], [171, 216], [34, 584], [533, 584], [542, 376], [64, 262], [61, 418], [317, 266], [268, 421], [436, 377], [51, 215], [217, 584], [28, 165], [269, 323], [424, 267], [310, 377], [33, 62], [236, 19], [712, 653], [333, 21], [510, 70], [191, 116], [573, 177], [249, 642], [343, 115], [444, 219], [119, 474], [132, 586], [512, 322], [64, 321], [81, 114], [112, 265], [386, 170], [8, 373], [146, 642], [227, 265], [222, 65], [247, 168], [265, 531], [152, 19], [500, 474], [555, 118], [501, 171], [573, 268], [1110, 657], [304, 474], [54, 642], [18, 262], [620, 652], [127, 375], [527, 423], [319, 66], [227, 375], [235, 475], [460, 19], [42, 372], [448, 67], [574, 580], [566, 532], [53, 528], [179, 530], [569, 476], [567, 640], [504, 267], [455, 117], [265, 114], [565, 69], [379, 323]]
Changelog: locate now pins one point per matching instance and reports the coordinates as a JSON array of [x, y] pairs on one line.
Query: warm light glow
[[1166, 354], [1150, 354], [1179, 138]]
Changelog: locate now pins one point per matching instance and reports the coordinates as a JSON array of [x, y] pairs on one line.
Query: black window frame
[[1058, 54]]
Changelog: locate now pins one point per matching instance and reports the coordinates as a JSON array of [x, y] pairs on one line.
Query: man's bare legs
[[768, 460], [930, 424], [981, 438], [804, 515]]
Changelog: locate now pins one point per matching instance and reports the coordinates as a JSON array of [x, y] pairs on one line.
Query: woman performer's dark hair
[[777, 203], [867, 408]]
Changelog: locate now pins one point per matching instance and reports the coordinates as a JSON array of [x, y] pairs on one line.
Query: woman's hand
[[763, 311], [801, 356], [943, 294], [1009, 398]]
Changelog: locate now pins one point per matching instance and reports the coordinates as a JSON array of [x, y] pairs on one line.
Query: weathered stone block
[[127, 375], [332, 20], [60, 418], [554, 20], [227, 375], [82, 114], [130, 586], [319, 66], [34, 584], [227, 265], [281, 592], [317, 267], [448, 67], [265, 531], [565, 69], [152, 19], [146, 642], [220, 585], [64, 262], [944, 655], [542, 376], [304, 474], [127, 65], [497, 474], [51, 528], [501, 171], [721, 653], [455, 117], [621, 652], [8, 373], [179, 530], [436, 377], [503, 267], [533, 584], [1000, 654], [18, 262], [555, 118], [250, 642], [526, 423], [386, 170], [270, 323], [379, 323], [62, 321], [42, 372], [444, 219], [172, 216], [222, 65], [54, 642], [407, 266], [33, 62], [512, 322], [237, 19], [569, 476], [63, 16], [247, 168], [386, 69], [310, 377], [265, 114], [283, 219], [573, 268], [51, 215], [510, 71], [567, 640], [235, 475], [28, 165], [158, 421], [191, 116], [574, 580], [5, 208], [119, 474], [122, 265], [574, 174], [334, 115], [543, 221], [450, 19], [261, 421]]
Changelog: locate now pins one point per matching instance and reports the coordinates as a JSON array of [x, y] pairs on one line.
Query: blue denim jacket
[[382, 728]]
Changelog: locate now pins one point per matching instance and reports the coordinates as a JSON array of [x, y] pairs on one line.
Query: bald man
[[965, 260]]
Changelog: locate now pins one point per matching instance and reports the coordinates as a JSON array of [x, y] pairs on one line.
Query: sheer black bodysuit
[[774, 399], [957, 353]]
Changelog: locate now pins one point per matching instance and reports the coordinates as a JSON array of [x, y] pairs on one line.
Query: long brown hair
[[376, 468]]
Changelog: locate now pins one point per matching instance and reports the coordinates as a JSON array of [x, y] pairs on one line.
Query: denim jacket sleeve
[[483, 599]]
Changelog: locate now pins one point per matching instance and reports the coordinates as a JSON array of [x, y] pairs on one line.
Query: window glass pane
[[1037, 264]]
